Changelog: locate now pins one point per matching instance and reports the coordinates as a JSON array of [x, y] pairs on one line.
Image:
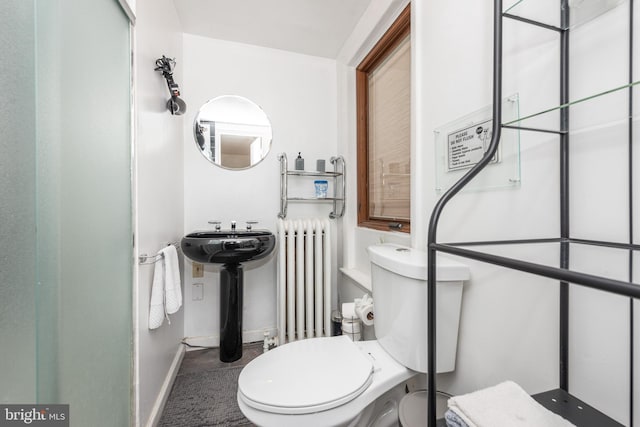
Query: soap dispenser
[[299, 163]]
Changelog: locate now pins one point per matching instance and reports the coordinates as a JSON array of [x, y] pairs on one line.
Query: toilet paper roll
[[349, 310], [365, 313]]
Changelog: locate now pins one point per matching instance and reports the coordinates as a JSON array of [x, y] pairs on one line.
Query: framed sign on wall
[[461, 144]]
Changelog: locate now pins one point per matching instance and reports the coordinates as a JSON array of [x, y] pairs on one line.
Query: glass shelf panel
[[600, 109], [312, 173], [548, 11], [314, 199]]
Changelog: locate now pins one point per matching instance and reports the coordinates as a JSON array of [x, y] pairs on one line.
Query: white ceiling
[[312, 27]]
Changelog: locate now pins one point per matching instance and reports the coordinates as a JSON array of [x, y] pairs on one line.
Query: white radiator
[[304, 279]]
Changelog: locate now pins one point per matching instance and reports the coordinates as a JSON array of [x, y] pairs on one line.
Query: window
[[383, 96]]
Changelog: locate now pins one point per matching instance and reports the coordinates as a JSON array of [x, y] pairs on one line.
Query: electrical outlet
[[197, 292], [197, 270]]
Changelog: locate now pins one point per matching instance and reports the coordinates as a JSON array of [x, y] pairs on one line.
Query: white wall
[[509, 323], [298, 94], [159, 193]]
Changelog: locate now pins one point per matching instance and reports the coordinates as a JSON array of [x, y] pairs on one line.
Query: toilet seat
[[306, 376]]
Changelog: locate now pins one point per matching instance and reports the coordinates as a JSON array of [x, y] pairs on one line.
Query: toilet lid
[[306, 376]]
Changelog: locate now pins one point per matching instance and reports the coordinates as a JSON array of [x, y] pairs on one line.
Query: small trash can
[[411, 411], [336, 323]]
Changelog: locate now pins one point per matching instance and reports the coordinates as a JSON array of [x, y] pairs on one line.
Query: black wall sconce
[[175, 104]]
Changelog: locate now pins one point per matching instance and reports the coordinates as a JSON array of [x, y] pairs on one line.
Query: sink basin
[[228, 246]]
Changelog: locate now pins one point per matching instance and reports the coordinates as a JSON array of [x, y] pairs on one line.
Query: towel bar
[[152, 259]]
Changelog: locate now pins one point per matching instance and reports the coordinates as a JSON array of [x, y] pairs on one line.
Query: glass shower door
[[65, 216], [83, 209], [17, 203]]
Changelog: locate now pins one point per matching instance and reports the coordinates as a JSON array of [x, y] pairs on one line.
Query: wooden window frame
[[398, 31]]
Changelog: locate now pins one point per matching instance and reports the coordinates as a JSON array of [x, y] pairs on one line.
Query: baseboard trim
[[161, 400], [214, 340]]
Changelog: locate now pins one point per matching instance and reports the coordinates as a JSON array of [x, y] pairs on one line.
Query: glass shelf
[[547, 121], [547, 12], [314, 199], [312, 173]]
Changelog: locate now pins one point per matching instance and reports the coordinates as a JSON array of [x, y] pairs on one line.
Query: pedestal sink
[[229, 248]]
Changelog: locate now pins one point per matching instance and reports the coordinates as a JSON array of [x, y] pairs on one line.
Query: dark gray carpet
[[206, 398]]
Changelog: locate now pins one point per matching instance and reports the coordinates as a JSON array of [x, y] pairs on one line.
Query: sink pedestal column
[[231, 287]]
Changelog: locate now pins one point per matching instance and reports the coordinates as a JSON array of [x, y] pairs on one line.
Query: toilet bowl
[[318, 382], [333, 381]]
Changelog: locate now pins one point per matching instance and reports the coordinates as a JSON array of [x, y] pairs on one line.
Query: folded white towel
[[504, 405], [453, 420], [166, 292]]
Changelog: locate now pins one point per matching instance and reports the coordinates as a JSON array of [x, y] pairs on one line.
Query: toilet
[[333, 381]]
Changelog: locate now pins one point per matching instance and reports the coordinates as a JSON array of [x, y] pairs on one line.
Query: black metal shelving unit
[[558, 400]]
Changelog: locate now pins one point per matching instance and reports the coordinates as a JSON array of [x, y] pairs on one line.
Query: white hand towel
[[172, 286], [504, 405], [156, 306], [166, 290]]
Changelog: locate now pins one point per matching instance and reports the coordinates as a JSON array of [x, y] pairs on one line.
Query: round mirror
[[232, 132]]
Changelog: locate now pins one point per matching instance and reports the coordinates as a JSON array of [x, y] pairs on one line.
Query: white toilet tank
[[399, 282]]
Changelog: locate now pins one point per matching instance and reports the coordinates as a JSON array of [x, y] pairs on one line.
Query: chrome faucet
[[250, 224], [216, 223], [233, 226]]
